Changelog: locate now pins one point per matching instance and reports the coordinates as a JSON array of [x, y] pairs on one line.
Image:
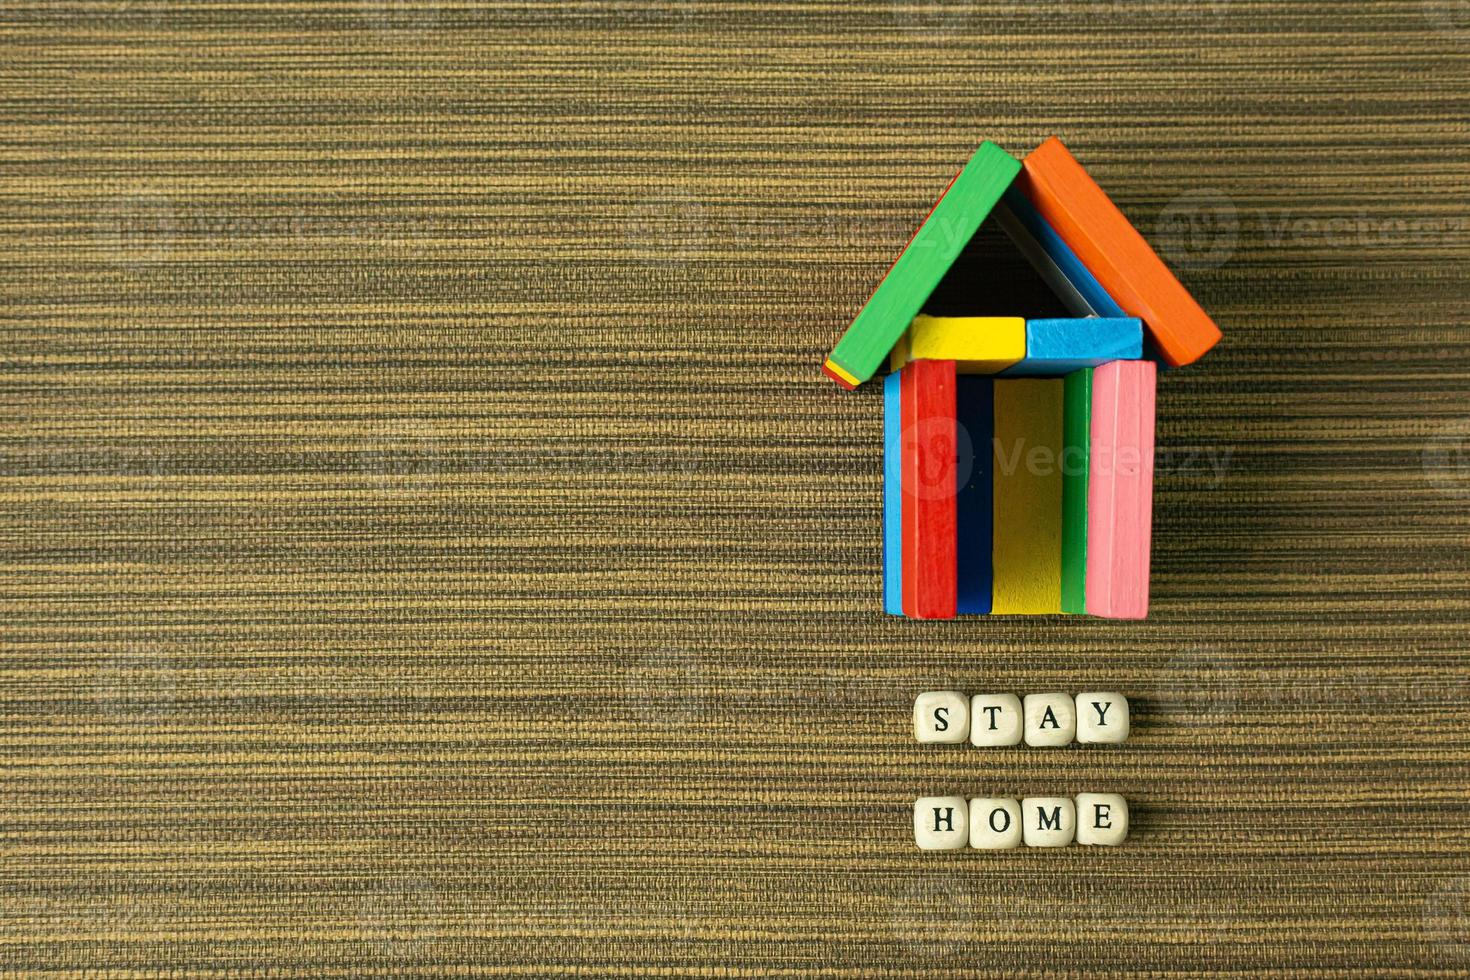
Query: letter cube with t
[[1051, 719], [941, 823], [995, 824], [1048, 821], [1102, 818], [941, 717], [1102, 717], [995, 719]]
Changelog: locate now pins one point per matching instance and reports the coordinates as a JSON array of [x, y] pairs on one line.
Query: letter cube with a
[[1051, 719]]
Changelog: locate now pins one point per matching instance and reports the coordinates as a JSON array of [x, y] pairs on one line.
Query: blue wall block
[[975, 415], [892, 498], [1057, 347]]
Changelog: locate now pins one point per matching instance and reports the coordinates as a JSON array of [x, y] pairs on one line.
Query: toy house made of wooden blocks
[[1018, 453]]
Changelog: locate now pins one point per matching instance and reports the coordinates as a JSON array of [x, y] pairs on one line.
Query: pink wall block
[[1120, 489]]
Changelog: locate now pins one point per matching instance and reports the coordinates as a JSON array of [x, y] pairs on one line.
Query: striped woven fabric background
[[429, 546]]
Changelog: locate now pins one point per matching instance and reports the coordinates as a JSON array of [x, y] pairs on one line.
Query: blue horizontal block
[[1072, 281], [892, 498], [1056, 347]]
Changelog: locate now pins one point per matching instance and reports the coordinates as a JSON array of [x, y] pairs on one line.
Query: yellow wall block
[[1027, 548], [977, 344]]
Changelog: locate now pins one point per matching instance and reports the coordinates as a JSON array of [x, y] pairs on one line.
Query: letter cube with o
[[995, 824], [942, 823]]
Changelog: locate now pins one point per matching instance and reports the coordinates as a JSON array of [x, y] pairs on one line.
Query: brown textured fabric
[[429, 546]]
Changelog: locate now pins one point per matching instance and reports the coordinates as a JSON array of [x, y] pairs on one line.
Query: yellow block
[[1027, 453], [977, 344]]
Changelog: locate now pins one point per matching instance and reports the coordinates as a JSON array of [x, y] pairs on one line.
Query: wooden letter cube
[[995, 824], [995, 719], [941, 823], [1102, 818], [1102, 716], [941, 717], [1051, 719], [1048, 821]]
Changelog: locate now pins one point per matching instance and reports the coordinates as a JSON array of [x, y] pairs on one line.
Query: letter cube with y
[[995, 719], [941, 823], [1102, 716], [1102, 818], [1051, 719], [941, 717], [1048, 821], [995, 824]]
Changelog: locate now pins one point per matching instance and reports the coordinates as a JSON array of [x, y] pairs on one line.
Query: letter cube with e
[[942, 823], [1102, 717], [1102, 818], [941, 717], [995, 824], [995, 719], [1051, 719], [1048, 821]]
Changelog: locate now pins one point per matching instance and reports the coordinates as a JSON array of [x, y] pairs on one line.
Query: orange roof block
[[1125, 265]]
